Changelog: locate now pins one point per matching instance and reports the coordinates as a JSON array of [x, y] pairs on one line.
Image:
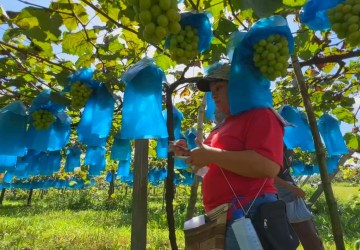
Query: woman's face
[[220, 96]]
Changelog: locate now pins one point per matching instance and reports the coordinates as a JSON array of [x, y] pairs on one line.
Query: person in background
[[288, 192], [244, 154]]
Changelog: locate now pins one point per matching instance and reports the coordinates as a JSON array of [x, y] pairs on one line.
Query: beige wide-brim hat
[[219, 73]]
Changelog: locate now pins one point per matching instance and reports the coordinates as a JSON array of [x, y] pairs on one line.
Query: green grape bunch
[[345, 21], [80, 93], [271, 56], [157, 18], [184, 45], [42, 119]]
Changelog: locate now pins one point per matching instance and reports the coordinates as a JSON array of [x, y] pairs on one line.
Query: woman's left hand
[[200, 157]]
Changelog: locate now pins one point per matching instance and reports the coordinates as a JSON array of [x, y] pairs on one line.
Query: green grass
[[87, 220], [67, 229], [345, 193]]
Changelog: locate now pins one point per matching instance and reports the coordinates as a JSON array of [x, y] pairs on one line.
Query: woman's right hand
[[179, 148], [298, 192]]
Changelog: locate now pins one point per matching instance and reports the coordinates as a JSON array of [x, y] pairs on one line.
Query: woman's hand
[[179, 148], [200, 157], [298, 192]]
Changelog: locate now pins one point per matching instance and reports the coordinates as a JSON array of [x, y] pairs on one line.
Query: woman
[[288, 192], [244, 154]]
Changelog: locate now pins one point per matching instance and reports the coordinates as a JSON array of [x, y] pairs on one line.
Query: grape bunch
[[80, 93], [42, 119], [158, 18], [271, 56], [184, 45], [345, 21]]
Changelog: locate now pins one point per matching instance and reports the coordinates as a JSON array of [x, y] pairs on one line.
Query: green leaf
[[26, 19], [216, 9], [12, 33], [261, 8], [77, 44], [164, 62], [294, 3], [225, 26], [46, 48], [66, 10], [352, 141], [343, 114], [328, 67], [39, 20], [115, 46], [304, 48], [84, 61]]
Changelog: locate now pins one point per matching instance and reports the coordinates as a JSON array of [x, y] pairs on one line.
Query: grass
[[68, 229], [87, 220], [345, 193]]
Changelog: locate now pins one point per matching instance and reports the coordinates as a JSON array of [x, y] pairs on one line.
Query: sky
[[15, 5]]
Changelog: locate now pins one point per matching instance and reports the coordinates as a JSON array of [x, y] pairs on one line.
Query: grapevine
[[271, 56], [80, 93], [184, 45], [157, 18], [345, 21], [42, 119]]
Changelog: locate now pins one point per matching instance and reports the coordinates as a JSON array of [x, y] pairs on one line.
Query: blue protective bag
[[332, 163], [162, 148], [94, 155], [96, 169], [121, 149], [157, 176], [178, 117], [57, 135], [191, 135], [141, 115], [8, 177], [7, 162], [123, 168], [13, 121], [210, 107], [298, 135], [330, 132], [314, 13], [248, 88], [49, 163], [91, 130], [298, 168], [188, 178], [110, 176], [129, 179], [72, 158], [202, 23]]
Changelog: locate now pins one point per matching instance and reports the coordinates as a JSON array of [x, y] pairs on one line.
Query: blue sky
[[15, 5]]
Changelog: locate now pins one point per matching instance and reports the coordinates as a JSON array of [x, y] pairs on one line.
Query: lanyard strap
[[232, 190]]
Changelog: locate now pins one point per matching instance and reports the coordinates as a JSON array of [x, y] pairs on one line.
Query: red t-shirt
[[258, 130]]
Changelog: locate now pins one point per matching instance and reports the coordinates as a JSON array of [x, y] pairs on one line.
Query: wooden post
[[29, 197], [139, 208], [112, 184], [2, 195], [169, 182], [320, 157]]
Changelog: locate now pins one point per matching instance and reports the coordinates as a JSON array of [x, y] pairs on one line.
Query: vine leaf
[[343, 114], [262, 8], [294, 3], [77, 43]]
